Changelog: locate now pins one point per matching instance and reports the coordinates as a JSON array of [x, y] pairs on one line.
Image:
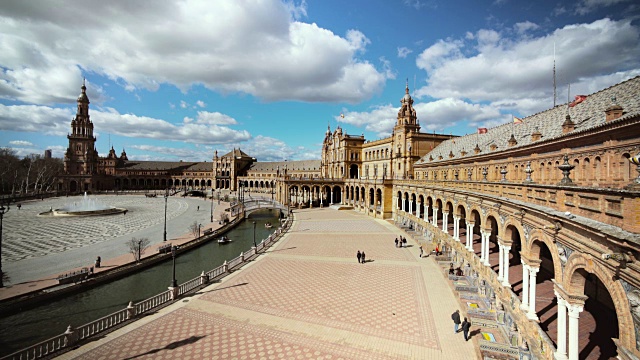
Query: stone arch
[[492, 223], [574, 281], [421, 207], [371, 196], [531, 250]]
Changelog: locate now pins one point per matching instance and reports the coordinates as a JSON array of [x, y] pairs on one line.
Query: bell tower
[[406, 127], [81, 157]]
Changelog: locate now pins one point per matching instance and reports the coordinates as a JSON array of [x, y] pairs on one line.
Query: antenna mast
[[554, 74]]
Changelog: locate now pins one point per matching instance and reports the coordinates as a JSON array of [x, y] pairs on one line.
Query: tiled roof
[[236, 153], [588, 114], [291, 165], [166, 166]]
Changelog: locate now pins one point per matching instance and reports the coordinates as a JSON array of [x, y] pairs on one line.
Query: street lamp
[[3, 211], [174, 282], [199, 227], [254, 235], [211, 204], [166, 196]]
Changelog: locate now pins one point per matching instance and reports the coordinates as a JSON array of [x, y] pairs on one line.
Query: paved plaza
[[34, 247], [308, 298]]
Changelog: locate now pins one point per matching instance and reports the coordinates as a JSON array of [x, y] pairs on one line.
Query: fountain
[[86, 207]]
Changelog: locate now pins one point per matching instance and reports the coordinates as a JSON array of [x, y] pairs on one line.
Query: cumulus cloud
[[403, 52], [517, 73], [55, 121], [215, 118], [201, 103], [523, 27], [20, 143], [47, 48], [434, 115], [266, 148]]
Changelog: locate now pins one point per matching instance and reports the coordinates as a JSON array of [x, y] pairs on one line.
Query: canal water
[[37, 324]]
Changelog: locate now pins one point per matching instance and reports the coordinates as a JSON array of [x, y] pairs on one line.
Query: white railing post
[[131, 310], [203, 278], [70, 337]]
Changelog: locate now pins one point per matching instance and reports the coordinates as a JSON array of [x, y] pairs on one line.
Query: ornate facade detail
[[633, 295]]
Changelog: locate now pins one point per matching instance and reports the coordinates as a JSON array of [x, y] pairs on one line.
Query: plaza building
[[542, 213]]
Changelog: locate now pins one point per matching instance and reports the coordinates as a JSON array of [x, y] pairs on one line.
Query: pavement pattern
[[307, 298], [35, 247]]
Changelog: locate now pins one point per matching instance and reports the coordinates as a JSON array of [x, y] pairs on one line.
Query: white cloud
[[403, 52], [201, 103], [586, 6], [184, 104], [215, 118], [435, 115], [46, 50], [517, 73], [526, 26], [265, 148], [436, 55], [55, 121], [20, 143]]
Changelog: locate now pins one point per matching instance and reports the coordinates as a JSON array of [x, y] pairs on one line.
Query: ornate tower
[[81, 157], [406, 126]]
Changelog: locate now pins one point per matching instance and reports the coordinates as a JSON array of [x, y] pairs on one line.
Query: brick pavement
[[308, 298]]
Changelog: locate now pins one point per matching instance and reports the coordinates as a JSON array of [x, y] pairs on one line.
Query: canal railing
[[73, 337]]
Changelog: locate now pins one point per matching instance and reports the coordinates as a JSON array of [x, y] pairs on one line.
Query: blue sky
[[176, 80]]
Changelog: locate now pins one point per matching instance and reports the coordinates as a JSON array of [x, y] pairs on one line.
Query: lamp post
[[254, 235], [174, 282], [199, 227], [166, 196], [211, 204], [3, 211]]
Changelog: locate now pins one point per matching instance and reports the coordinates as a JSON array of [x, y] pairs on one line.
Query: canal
[[40, 323]]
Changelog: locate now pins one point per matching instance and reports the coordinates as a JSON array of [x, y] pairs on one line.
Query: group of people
[[457, 325], [401, 242], [457, 271], [361, 257]]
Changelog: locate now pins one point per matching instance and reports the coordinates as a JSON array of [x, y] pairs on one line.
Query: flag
[[517, 120], [482, 130], [578, 99]]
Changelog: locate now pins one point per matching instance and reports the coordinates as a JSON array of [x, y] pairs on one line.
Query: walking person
[[363, 258], [456, 320], [359, 256], [466, 325], [396, 242], [421, 251]]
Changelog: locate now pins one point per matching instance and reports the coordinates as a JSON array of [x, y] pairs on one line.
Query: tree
[[137, 247], [194, 229], [33, 173]]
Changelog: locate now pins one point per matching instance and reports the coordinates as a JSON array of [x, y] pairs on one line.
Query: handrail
[[70, 337]]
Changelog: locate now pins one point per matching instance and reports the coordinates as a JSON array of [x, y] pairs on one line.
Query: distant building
[[47, 154]]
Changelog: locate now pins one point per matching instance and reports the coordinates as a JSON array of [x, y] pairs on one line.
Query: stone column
[[395, 203], [500, 258], [435, 216], [561, 352], [410, 207], [487, 234], [482, 240], [505, 266], [533, 272], [574, 315], [525, 287], [418, 209], [456, 228], [470, 236], [426, 214], [445, 222], [331, 199]]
